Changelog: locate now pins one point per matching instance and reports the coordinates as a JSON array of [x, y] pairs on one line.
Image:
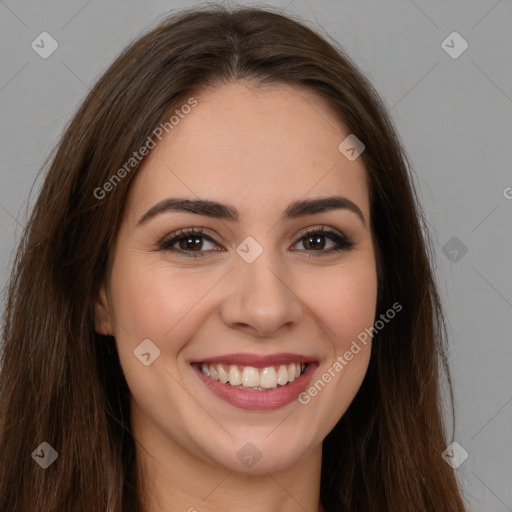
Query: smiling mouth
[[250, 378]]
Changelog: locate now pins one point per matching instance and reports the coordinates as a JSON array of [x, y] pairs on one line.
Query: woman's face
[[256, 292]]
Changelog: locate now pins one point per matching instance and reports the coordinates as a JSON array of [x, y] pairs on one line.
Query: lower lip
[[259, 400]]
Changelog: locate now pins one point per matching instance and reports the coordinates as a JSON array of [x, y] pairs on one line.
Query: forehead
[[243, 142]]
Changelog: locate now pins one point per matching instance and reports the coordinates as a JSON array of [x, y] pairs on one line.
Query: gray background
[[455, 120]]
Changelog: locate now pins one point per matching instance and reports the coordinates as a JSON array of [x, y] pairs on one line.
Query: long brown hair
[[61, 383]]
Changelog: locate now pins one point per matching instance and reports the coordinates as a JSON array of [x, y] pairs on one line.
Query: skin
[[282, 148]]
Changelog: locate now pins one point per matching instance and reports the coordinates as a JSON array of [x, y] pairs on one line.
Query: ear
[[102, 316]]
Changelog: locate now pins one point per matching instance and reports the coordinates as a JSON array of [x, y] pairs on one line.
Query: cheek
[[151, 299], [344, 305], [356, 307], [344, 302]]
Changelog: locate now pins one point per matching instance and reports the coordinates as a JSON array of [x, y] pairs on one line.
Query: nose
[[261, 299]]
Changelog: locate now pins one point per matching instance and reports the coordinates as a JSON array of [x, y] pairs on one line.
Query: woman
[[224, 297]]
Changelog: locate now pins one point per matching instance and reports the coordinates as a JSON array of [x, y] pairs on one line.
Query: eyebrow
[[223, 211]]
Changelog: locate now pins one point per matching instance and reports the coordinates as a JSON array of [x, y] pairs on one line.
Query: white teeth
[[282, 375], [291, 372], [268, 378], [235, 378], [223, 375], [250, 377], [213, 372]]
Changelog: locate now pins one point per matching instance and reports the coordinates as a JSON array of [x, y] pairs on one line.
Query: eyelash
[[166, 244]]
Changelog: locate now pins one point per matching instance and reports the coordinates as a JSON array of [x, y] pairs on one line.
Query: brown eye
[[315, 242], [191, 242], [188, 241]]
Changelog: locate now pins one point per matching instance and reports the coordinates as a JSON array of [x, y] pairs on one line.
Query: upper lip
[[257, 361]]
